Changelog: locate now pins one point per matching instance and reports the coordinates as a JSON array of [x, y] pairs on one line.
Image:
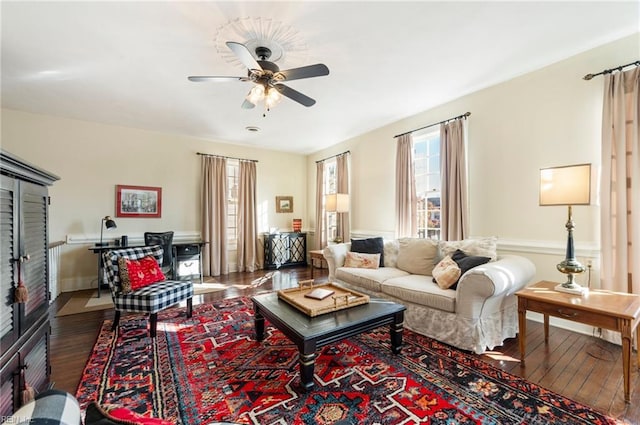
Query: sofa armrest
[[335, 255], [492, 281]]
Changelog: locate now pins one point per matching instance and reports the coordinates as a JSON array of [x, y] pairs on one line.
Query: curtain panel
[[247, 248], [342, 174], [620, 183], [320, 240], [214, 216], [406, 198], [454, 214]]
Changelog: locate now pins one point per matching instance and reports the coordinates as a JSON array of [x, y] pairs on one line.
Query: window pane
[[428, 183]]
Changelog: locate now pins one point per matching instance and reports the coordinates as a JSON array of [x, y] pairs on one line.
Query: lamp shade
[[337, 202], [566, 185], [109, 223]]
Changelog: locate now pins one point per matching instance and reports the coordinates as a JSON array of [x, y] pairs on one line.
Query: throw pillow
[[446, 273], [467, 262], [125, 282], [114, 415], [484, 247], [143, 272], [369, 246], [417, 255], [362, 261]]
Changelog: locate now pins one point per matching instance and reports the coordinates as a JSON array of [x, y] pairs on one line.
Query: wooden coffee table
[[311, 333], [601, 309]]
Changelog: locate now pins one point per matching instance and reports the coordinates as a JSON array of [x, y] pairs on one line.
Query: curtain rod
[[609, 71], [227, 157], [465, 115], [333, 156]]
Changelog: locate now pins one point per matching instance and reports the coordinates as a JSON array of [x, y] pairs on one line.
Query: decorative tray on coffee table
[[314, 300]]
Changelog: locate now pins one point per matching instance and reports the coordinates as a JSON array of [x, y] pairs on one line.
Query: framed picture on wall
[[284, 204], [138, 201]]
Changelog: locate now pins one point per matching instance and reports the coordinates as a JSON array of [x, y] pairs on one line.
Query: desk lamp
[[568, 185], [109, 224]]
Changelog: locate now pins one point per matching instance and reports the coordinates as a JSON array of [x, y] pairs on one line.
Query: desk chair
[[165, 240]]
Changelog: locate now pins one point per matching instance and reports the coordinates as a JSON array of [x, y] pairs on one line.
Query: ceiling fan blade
[[244, 55], [247, 105], [295, 95], [316, 70], [202, 78]]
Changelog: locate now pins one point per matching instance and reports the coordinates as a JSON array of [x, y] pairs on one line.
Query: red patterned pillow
[[143, 272], [115, 415]]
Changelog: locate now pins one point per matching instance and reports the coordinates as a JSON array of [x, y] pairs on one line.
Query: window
[[426, 161], [233, 169], [330, 186]]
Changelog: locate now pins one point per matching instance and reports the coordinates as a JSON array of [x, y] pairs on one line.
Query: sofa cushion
[[417, 255], [446, 273], [419, 289], [368, 278], [485, 247], [369, 246], [362, 261], [391, 253]]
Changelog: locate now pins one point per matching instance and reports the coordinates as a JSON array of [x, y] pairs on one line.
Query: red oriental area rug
[[210, 368]]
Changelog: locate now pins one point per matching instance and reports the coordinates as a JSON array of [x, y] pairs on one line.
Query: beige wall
[[92, 159], [544, 118]]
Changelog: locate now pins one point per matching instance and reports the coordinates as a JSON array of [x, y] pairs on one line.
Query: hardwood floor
[[580, 367]]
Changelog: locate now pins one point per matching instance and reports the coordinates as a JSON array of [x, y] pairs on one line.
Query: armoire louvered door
[[24, 236]]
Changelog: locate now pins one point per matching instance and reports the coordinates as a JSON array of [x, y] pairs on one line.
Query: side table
[[599, 308], [314, 255]]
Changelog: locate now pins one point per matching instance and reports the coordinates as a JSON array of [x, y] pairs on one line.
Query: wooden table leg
[[522, 328], [396, 329], [307, 364], [259, 323], [625, 333], [546, 328]]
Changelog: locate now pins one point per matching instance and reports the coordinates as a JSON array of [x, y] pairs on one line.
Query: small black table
[[311, 333]]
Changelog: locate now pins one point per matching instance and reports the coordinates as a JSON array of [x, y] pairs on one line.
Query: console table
[[601, 309], [285, 249]]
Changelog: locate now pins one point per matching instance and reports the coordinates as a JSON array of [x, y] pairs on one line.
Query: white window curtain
[[620, 183], [406, 198], [214, 216], [248, 258], [454, 214]]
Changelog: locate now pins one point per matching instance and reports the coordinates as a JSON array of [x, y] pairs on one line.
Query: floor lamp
[[338, 203], [569, 185]]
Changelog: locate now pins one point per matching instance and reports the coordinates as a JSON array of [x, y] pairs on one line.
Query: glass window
[[330, 186], [426, 161], [233, 169]]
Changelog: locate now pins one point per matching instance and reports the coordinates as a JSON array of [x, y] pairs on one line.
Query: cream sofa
[[481, 313]]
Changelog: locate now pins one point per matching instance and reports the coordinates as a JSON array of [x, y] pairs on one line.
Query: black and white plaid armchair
[[150, 299]]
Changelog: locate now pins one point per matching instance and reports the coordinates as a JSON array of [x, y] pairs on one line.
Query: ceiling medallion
[[288, 48]]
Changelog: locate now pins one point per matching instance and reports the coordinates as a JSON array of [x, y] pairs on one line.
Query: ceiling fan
[[267, 77]]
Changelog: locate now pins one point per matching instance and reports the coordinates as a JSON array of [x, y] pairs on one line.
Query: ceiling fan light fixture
[[272, 97], [256, 94]]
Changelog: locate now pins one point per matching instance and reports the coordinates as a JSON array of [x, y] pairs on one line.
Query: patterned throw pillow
[[362, 261], [141, 273], [446, 273], [467, 262], [115, 415], [125, 283], [484, 247]]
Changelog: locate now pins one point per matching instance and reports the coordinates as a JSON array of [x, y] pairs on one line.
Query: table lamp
[[109, 224], [338, 203], [567, 185]]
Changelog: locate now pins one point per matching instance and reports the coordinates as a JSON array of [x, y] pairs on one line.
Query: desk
[[601, 309], [178, 247]]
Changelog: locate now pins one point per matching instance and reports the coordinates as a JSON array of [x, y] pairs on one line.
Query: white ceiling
[[126, 63]]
